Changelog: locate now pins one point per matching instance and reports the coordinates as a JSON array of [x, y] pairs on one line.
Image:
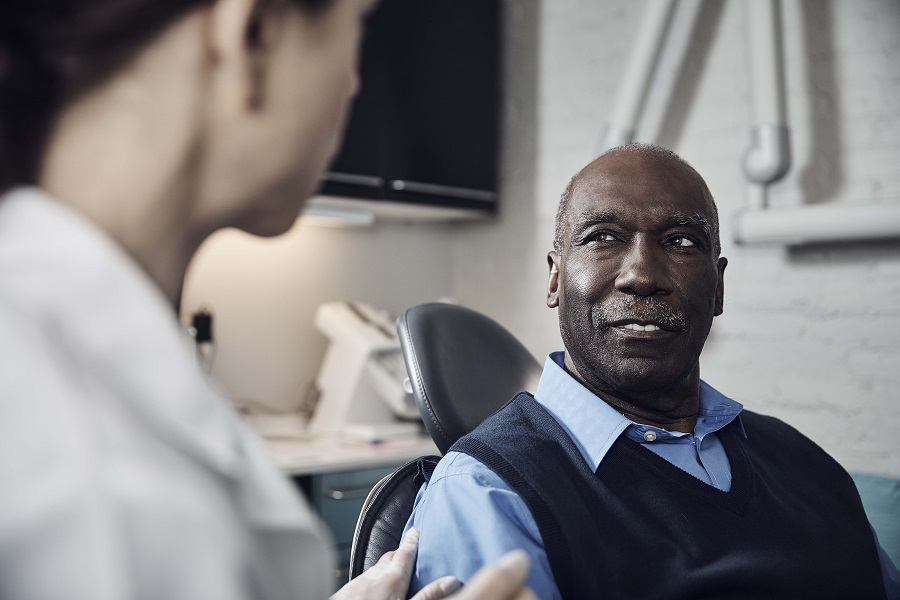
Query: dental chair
[[463, 367]]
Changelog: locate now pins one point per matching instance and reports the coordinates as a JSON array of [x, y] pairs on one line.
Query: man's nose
[[643, 271]]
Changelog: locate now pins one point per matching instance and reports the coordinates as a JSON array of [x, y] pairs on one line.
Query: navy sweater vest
[[792, 525]]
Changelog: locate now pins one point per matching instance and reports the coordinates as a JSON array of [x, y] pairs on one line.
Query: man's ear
[[239, 36], [720, 286], [553, 282]]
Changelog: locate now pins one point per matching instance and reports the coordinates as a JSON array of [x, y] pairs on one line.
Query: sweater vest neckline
[[735, 500]]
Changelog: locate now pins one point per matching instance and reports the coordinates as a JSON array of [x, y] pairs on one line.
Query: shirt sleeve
[[468, 517]]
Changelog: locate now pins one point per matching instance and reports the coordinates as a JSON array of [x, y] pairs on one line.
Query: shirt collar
[[594, 425]]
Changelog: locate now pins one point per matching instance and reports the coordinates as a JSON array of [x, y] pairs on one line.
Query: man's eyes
[[601, 236], [682, 241], [596, 237], [607, 237]]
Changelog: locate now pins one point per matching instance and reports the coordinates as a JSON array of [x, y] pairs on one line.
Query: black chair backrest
[[463, 366], [386, 511]]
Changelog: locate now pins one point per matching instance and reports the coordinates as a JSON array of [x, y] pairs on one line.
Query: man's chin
[[645, 377], [643, 386]]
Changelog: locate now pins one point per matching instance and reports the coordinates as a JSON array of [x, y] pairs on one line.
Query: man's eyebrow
[[608, 216], [587, 219], [695, 220]]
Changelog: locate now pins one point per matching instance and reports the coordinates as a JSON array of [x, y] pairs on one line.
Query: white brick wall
[[809, 335]]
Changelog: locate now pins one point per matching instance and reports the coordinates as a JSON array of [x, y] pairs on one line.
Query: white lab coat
[[123, 474]]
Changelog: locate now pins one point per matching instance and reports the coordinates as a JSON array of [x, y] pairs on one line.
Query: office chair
[[463, 367]]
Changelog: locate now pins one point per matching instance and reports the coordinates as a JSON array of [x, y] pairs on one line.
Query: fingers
[[388, 579], [504, 580], [404, 557], [525, 594], [438, 589]]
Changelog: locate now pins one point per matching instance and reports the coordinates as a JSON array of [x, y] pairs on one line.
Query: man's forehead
[[623, 180]]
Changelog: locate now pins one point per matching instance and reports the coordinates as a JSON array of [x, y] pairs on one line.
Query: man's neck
[[673, 408]]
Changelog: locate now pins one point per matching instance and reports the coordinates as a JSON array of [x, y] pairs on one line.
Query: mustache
[[638, 308]]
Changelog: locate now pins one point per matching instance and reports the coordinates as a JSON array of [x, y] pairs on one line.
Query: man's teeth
[[637, 327]]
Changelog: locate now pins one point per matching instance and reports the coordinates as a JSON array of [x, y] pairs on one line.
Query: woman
[[130, 130]]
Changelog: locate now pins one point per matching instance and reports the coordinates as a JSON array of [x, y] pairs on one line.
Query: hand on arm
[[504, 580], [469, 518], [389, 579]]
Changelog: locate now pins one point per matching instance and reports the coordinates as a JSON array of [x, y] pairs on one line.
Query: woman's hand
[[388, 579], [503, 580]]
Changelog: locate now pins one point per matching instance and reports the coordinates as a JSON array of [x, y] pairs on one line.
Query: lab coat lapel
[[113, 322], [163, 383]]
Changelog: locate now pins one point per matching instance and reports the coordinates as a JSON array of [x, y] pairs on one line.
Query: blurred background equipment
[[360, 383], [202, 331]]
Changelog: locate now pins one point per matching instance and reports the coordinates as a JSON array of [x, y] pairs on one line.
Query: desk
[[336, 475], [315, 454]]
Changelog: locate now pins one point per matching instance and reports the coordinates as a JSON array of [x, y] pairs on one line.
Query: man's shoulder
[[526, 448], [506, 431], [459, 467], [463, 492], [520, 411], [761, 424], [770, 434]]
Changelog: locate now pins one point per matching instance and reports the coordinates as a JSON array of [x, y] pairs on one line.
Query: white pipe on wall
[[766, 70], [768, 158], [638, 74], [819, 223]]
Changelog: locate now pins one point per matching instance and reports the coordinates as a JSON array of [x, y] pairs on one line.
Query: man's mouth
[[644, 315], [640, 325], [636, 327]]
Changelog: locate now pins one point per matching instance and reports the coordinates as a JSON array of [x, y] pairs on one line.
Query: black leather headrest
[[463, 366]]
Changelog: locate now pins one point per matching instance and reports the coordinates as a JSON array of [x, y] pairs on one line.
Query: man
[[626, 476]]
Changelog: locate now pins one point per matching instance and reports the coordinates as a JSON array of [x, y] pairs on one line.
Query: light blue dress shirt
[[467, 516]]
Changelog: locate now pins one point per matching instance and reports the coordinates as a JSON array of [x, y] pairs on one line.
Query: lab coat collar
[[104, 309]]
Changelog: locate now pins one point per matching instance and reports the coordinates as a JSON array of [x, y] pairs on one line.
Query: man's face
[[636, 281]]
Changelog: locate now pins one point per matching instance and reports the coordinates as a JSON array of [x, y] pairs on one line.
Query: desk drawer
[[338, 497]]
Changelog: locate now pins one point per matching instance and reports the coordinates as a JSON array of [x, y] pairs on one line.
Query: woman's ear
[[259, 38], [240, 36]]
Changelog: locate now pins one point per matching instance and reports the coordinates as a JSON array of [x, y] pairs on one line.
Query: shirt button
[[650, 436]]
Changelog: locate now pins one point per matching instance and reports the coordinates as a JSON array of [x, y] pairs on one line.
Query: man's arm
[[389, 579], [468, 517]]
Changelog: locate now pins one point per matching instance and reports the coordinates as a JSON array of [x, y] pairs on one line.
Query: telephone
[[361, 380]]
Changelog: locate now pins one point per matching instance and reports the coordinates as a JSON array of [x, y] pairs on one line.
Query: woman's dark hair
[[53, 50]]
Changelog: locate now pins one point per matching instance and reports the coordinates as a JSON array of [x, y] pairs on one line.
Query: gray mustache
[[639, 309]]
